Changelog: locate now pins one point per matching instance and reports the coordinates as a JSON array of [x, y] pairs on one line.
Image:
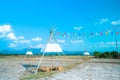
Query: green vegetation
[[48, 74], [97, 54], [111, 55], [38, 75]]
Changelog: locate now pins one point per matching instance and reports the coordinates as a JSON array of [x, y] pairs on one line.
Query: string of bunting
[[78, 34]]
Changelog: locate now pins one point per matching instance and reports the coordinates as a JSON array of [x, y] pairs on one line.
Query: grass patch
[[86, 57], [38, 75], [72, 66], [49, 74]]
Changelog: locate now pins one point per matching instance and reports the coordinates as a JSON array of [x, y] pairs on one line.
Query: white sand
[[95, 69], [91, 71]]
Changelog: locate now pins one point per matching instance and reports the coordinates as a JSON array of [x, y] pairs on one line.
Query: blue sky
[[25, 23]]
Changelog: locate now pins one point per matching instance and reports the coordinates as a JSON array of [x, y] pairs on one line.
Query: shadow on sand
[[30, 68]]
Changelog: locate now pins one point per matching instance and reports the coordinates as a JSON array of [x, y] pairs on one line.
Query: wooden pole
[[116, 42], [39, 63]]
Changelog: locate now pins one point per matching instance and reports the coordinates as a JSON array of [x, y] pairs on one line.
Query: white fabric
[[86, 53], [53, 47], [29, 53]]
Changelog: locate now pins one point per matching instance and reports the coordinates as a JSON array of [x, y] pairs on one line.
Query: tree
[[108, 54], [115, 54], [96, 54], [103, 55]]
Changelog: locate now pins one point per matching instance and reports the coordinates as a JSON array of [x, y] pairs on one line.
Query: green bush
[[103, 55], [108, 55], [96, 54], [115, 54], [112, 54]]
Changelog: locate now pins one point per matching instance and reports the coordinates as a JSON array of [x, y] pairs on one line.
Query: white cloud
[[2, 35], [77, 41], [5, 29], [78, 28], [112, 43], [37, 39], [11, 36], [101, 42], [107, 44], [21, 37], [115, 22], [103, 20], [22, 41], [61, 41], [95, 23], [12, 45], [38, 46], [16, 43]]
